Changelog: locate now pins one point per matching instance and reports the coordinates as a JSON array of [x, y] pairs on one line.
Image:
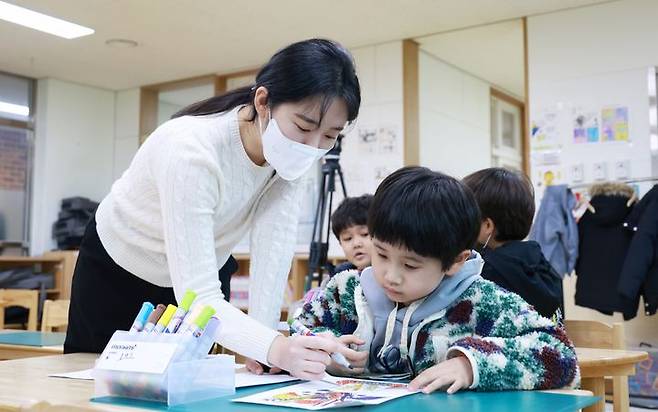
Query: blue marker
[[141, 318]]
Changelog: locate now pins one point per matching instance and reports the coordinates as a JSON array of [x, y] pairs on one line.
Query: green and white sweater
[[509, 345]]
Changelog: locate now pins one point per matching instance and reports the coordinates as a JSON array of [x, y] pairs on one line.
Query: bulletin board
[[591, 129]]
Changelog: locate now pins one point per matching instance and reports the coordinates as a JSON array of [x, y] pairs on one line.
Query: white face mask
[[290, 159]]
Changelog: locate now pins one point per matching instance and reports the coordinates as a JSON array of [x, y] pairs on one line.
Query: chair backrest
[[55, 314], [25, 298], [595, 334]]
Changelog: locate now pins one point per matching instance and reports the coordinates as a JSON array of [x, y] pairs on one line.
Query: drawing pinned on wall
[[585, 126], [367, 139], [614, 124], [546, 158], [544, 131], [548, 176], [387, 138]]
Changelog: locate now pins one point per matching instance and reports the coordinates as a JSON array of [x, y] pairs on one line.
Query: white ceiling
[[493, 53], [180, 39]]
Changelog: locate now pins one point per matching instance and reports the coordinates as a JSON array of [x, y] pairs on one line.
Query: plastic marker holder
[[162, 368], [184, 307], [164, 319], [300, 329], [142, 317], [153, 318]]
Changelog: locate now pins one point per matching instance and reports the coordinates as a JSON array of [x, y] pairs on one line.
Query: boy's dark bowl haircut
[[427, 212]]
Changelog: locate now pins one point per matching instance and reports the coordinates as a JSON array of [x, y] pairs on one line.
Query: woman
[[221, 168]]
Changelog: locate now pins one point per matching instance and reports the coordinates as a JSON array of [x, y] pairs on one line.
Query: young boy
[[349, 224], [422, 309], [507, 205]]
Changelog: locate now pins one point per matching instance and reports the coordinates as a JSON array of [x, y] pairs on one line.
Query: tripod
[[318, 262]]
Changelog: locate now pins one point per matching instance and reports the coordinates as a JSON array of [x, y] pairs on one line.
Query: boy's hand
[[258, 369], [357, 360], [456, 372]]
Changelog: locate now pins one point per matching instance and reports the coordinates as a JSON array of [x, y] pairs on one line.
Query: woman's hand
[[306, 357], [456, 373], [357, 360]]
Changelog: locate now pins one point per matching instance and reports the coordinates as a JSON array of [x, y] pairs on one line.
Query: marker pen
[[199, 324], [153, 318], [164, 319], [189, 317], [177, 319], [142, 316], [300, 329], [207, 338]]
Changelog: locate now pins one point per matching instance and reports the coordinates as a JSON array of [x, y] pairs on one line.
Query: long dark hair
[[308, 68]]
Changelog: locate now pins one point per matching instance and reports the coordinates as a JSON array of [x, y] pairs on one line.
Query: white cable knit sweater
[[189, 196]]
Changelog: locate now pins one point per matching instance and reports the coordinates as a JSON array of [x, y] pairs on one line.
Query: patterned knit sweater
[[510, 346]]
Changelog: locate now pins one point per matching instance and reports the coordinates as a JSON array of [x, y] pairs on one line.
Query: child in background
[[349, 224], [423, 311], [507, 205]]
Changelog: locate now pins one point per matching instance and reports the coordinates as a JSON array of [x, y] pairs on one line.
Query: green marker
[[199, 324], [182, 310]]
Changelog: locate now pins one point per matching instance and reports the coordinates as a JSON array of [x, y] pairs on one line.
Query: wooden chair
[[594, 334], [25, 298], [55, 314]]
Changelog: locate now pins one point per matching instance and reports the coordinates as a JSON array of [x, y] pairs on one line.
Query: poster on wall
[[614, 124], [585, 126], [544, 134]]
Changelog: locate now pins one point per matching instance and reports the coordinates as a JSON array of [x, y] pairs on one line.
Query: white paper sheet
[[82, 375], [332, 392]]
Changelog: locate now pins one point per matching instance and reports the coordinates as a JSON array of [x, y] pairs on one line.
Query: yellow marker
[[165, 318]]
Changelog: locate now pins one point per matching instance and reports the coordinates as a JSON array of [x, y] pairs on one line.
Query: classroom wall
[[74, 150], [455, 125], [126, 132], [575, 56]]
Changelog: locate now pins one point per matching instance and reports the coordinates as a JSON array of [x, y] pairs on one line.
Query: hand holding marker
[[300, 329]]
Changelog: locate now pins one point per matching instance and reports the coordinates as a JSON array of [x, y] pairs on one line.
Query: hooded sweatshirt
[[450, 288], [508, 344], [603, 246], [555, 228], [521, 267]]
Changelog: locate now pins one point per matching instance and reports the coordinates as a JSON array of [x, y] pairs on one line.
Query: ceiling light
[[42, 22], [121, 43], [14, 109]]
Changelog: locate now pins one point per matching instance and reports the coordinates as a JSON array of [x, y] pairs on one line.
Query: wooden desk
[[12, 351], [596, 364], [26, 382]]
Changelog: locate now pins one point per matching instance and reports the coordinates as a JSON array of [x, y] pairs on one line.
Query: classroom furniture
[[594, 334], [27, 380], [595, 364], [18, 344], [55, 314], [60, 263], [25, 298]]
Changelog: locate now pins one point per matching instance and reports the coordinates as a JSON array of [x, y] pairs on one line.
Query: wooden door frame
[[148, 96]]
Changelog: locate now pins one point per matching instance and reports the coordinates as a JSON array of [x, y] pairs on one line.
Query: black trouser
[[105, 297]]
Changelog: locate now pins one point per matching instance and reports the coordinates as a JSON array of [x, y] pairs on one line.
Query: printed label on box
[[147, 357]]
